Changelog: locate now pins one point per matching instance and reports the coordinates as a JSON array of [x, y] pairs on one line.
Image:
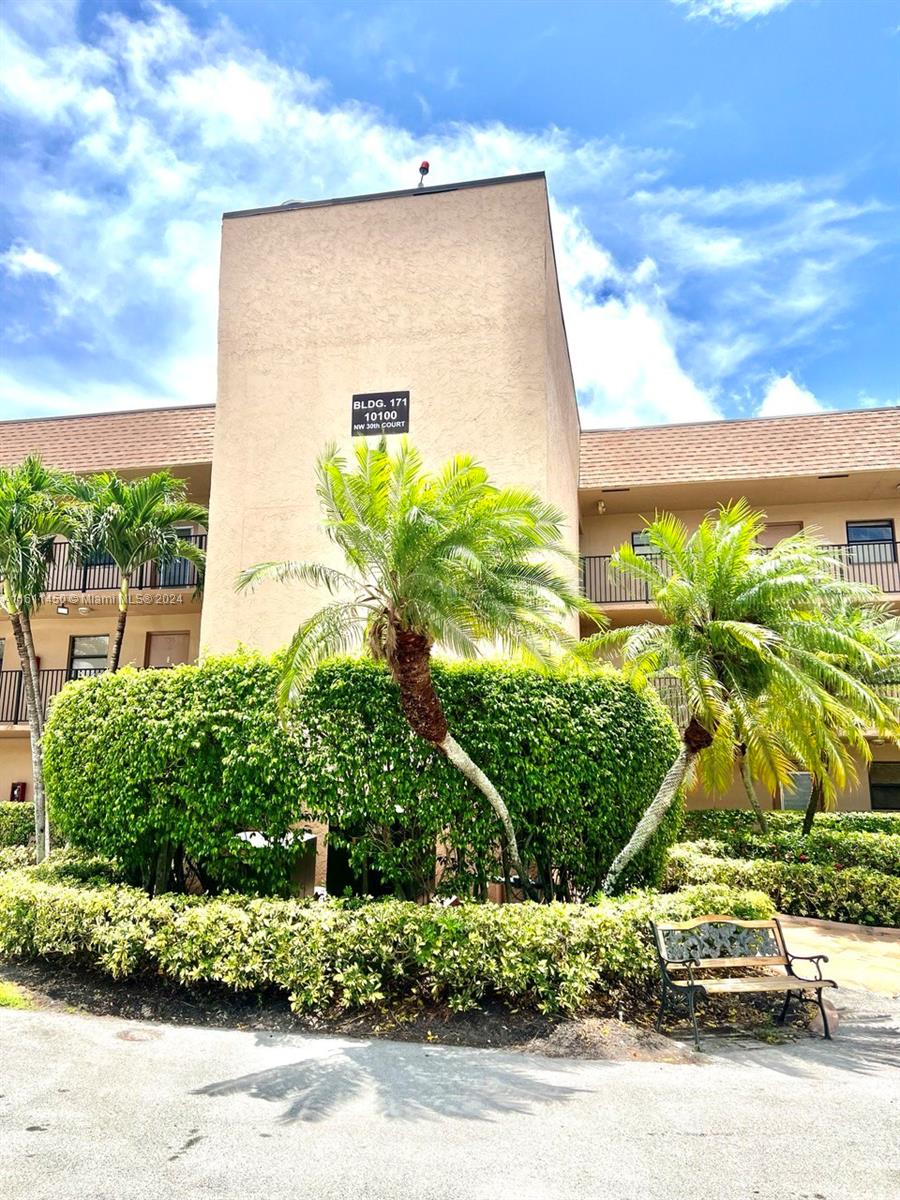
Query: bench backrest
[[720, 941]]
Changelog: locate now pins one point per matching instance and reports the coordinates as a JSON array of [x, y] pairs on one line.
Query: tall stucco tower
[[436, 307]]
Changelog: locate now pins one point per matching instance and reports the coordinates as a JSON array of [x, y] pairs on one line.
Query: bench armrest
[[815, 959], [689, 963]]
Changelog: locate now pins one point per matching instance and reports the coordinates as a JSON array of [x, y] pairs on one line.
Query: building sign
[[380, 412]]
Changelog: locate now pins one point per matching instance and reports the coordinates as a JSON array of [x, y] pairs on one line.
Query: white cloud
[[730, 10], [622, 345], [25, 260], [51, 395], [157, 128], [784, 397]]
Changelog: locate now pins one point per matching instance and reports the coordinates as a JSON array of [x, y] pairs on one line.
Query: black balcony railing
[[875, 563], [13, 703], [69, 576]]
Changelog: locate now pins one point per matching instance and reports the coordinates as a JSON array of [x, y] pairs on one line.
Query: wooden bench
[[692, 955]]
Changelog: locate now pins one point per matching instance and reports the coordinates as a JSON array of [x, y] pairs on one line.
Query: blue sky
[[723, 175]]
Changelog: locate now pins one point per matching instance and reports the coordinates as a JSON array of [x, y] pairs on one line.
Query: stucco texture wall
[[442, 294]]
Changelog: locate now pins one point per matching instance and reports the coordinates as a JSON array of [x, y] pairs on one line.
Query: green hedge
[[16, 824], [178, 760], [824, 847], [344, 955], [190, 756], [722, 822], [855, 894], [577, 758]]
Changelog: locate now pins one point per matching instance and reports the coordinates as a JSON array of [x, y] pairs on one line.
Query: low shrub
[[14, 857], [722, 822], [357, 954], [16, 824], [855, 894], [825, 847]]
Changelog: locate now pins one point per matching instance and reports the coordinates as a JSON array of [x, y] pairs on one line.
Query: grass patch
[[12, 996]]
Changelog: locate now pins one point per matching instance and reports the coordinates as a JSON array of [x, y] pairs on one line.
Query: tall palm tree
[[768, 666], [35, 509], [134, 522], [442, 558]]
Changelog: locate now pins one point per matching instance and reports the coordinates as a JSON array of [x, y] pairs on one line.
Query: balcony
[[875, 563], [67, 575], [13, 704]]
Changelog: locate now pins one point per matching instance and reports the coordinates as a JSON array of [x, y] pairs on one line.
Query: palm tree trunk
[[761, 822], [410, 665], [27, 634], [478, 779], [694, 739], [813, 805], [652, 818], [120, 626], [35, 730]]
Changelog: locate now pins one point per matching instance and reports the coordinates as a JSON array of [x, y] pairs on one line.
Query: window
[[88, 653], [640, 543], [798, 793], [884, 786], [871, 541], [776, 530]]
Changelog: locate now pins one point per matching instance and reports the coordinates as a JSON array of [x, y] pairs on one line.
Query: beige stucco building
[[443, 303], [448, 295]]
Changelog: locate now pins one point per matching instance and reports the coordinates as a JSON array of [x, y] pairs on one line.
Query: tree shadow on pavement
[[409, 1083], [866, 1042]]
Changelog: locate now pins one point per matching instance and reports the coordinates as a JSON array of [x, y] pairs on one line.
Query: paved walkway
[[95, 1108], [861, 956]]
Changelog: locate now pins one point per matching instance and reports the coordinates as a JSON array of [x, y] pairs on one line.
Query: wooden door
[[167, 649]]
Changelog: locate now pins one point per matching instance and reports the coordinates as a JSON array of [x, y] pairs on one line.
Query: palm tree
[[35, 509], [133, 522], [768, 667], [442, 558], [847, 739]]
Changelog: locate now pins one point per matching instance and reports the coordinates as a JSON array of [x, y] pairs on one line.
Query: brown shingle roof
[[760, 448], [140, 438]]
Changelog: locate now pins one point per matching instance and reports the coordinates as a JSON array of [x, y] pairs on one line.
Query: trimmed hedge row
[[139, 762], [343, 955], [855, 894], [16, 824], [824, 847], [721, 822]]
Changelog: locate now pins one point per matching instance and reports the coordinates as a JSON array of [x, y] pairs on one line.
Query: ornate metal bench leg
[[662, 1009], [692, 1010], [782, 1016], [824, 1013]]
